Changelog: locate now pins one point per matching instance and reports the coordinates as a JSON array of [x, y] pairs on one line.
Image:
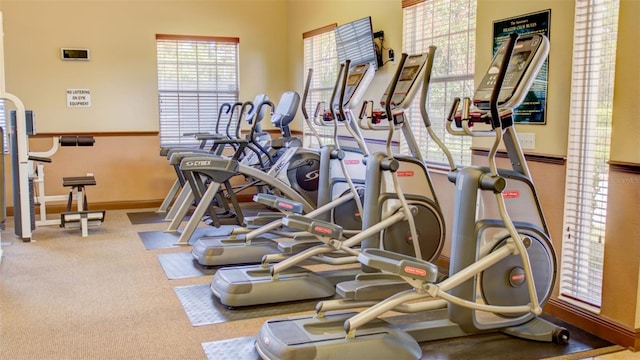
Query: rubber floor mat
[[203, 308], [146, 217], [182, 265], [232, 349], [163, 240]]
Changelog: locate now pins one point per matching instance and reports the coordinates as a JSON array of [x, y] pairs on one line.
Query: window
[[450, 25], [585, 209], [196, 75], [321, 56]]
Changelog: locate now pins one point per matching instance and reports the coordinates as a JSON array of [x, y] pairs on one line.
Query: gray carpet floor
[[105, 296]]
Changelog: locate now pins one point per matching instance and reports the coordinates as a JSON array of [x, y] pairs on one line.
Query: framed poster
[[533, 108]]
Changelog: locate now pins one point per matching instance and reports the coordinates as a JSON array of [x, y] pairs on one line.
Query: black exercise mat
[[163, 240], [489, 346], [203, 308], [182, 265], [498, 346]]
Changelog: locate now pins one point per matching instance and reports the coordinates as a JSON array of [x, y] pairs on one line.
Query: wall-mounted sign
[[74, 54], [78, 98], [533, 108]]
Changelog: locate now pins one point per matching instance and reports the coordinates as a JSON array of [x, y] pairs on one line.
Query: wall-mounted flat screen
[[354, 41]]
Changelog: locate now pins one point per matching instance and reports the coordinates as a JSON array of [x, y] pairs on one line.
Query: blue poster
[[533, 108]]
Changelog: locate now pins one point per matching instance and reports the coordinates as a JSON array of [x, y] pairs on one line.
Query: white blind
[[3, 125], [450, 25], [196, 75], [585, 209], [320, 55]]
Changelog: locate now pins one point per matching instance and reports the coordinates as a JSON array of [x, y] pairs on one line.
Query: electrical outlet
[[527, 141]]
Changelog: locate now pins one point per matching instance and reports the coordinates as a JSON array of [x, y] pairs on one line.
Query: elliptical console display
[[530, 49]]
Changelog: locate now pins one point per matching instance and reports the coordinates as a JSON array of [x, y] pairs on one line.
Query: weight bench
[[82, 217]]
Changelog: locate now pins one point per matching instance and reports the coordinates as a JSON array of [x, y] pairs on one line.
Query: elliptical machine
[[221, 169], [502, 270], [339, 171], [395, 198], [214, 144]]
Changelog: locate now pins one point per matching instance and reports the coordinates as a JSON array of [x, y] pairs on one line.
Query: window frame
[[192, 73], [446, 83], [588, 148], [325, 70]]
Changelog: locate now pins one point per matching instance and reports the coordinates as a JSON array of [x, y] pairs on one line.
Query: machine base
[[225, 251], [369, 287], [308, 337], [254, 285]]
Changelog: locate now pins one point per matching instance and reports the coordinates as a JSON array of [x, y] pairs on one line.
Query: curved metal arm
[[423, 108], [504, 66], [396, 184], [363, 110], [425, 86], [332, 109], [307, 86], [305, 115], [343, 86], [317, 117], [264, 103], [243, 111], [387, 104], [452, 117], [255, 127], [340, 116], [223, 108], [365, 115]]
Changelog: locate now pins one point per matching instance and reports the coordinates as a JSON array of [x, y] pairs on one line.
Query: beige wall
[[122, 72], [122, 77], [551, 139], [622, 252], [625, 146]]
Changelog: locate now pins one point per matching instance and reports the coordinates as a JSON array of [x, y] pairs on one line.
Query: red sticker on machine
[[511, 194], [322, 230], [415, 271], [285, 205], [405, 173]]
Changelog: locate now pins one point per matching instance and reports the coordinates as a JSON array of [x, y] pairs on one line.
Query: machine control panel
[[357, 82], [408, 82], [406, 88], [529, 53]]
